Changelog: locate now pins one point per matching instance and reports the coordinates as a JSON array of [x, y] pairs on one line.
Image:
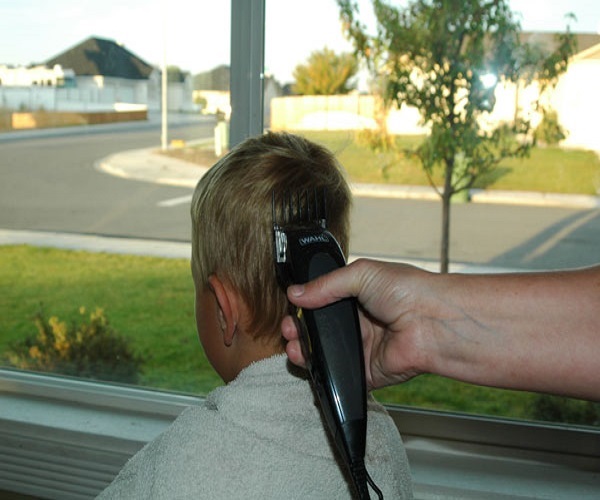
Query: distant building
[[574, 99], [41, 75], [96, 74], [104, 67], [211, 91]]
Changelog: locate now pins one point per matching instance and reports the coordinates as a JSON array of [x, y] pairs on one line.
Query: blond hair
[[232, 226]]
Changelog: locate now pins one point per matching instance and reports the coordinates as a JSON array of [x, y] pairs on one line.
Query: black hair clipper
[[330, 336]]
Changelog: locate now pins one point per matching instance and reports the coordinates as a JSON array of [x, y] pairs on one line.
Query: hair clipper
[[330, 336]]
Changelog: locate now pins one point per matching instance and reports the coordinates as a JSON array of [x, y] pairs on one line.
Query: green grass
[[437, 393], [548, 169], [149, 300]]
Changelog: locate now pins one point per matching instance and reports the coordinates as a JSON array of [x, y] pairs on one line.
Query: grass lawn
[[548, 169], [149, 300]]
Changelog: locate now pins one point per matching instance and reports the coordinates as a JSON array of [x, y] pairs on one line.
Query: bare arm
[[538, 331]]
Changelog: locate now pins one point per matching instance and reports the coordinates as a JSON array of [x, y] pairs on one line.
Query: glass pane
[[55, 186], [397, 215], [81, 168]]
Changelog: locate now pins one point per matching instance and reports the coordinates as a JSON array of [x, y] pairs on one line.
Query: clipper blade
[[300, 208]]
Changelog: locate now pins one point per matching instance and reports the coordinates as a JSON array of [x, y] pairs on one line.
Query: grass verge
[[548, 169], [148, 300]]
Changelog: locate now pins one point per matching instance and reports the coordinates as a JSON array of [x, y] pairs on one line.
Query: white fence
[[575, 100], [339, 112], [90, 99], [58, 99]]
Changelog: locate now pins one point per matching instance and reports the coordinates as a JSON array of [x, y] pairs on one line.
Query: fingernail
[[296, 290]]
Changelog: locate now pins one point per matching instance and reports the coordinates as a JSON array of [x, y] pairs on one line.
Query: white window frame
[[66, 438]]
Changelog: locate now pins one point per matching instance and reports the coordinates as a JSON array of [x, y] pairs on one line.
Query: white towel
[[259, 437]]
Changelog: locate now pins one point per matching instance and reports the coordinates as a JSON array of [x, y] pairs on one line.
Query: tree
[[445, 57], [325, 73]]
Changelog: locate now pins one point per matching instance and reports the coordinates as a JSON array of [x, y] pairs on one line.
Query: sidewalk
[[151, 166], [180, 250]]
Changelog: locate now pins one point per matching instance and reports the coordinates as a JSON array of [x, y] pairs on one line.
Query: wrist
[[450, 335]]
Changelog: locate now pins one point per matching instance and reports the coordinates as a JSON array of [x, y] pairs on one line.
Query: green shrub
[[560, 409], [89, 348]]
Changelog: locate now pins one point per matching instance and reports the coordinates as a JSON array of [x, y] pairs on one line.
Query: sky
[[194, 35]]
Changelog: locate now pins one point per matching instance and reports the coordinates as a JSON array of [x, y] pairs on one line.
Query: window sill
[[67, 438]]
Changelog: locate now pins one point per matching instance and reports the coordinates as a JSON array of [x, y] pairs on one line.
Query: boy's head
[[232, 226]]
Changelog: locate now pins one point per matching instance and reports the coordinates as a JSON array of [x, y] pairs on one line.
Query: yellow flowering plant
[[89, 348]]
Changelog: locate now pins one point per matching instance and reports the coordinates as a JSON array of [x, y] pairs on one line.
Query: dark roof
[[215, 79], [97, 56]]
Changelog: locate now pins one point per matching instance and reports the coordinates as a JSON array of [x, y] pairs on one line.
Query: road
[[506, 236], [50, 183]]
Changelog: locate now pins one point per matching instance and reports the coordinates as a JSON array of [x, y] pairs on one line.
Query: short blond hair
[[232, 226]]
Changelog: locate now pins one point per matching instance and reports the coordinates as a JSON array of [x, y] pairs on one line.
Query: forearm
[[537, 332]]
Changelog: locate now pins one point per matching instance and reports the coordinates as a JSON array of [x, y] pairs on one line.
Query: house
[[95, 75], [107, 72], [21, 76], [574, 99], [211, 89]]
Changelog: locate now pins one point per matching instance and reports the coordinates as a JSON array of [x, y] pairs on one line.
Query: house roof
[[98, 56], [215, 79]]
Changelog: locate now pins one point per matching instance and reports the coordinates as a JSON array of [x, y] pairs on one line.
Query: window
[[111, 102], [409, 229], [56, 186]]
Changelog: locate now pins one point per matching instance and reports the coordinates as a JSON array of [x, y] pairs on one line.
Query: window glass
[[397, 215], [81, 83], [67, 183]]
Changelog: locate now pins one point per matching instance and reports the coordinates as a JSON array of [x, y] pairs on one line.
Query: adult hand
[[392, 334], [527, 331]]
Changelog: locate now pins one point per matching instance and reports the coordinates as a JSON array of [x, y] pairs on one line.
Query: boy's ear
[[227, 303]]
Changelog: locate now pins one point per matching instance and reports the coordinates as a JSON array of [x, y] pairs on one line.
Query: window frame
[[67, 438]]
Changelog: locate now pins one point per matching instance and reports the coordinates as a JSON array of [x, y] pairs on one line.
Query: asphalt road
[[50, 183], [507, 236]]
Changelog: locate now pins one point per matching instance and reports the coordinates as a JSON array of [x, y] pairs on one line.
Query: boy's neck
[[250, 349]]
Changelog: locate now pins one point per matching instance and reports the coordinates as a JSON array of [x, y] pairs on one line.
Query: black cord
[[374, 486], [361, 479]]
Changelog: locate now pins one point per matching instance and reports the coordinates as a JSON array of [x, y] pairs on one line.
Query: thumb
[[326, 289]]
